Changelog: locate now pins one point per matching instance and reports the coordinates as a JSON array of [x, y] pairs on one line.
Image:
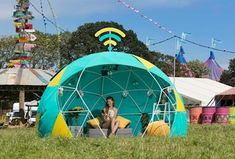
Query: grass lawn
[[205, 142]]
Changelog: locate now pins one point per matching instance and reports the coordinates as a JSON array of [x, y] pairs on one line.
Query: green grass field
[[205, 142]]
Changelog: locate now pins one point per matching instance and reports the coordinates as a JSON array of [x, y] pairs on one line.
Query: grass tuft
[[212, 141]]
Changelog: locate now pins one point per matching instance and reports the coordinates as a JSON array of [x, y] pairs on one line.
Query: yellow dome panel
[[146, 63], [56, 80], [60, 128]]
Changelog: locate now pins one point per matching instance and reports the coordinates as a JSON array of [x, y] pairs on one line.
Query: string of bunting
[[206, 46], [54, 18], [50, 21], [146, 17], [165, 29], [43, 16]]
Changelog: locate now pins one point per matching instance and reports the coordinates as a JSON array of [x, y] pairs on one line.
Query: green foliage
[[65, 37], [53, 53], [49, 47], [198, 68], [213, 141], [231, 67], [228, 76], [7, 45], [83, 41], [44, 55]]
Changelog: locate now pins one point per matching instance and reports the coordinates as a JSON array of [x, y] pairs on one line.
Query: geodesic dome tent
[[136, 85]]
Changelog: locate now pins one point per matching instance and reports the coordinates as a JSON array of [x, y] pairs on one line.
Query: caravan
[[30, 111]]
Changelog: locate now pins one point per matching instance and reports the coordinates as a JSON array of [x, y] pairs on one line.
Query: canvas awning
[[25, 77], [228, 94]]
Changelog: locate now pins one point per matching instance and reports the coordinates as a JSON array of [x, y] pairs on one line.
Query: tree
[[44, 54], [228, 76], [47, 53], [84, 42], [7, 45], [166, 64], [198, 68], [65, 37], [232, 67], [49, 50]]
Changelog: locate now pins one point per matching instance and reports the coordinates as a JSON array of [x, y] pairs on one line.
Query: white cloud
[[89, 7]]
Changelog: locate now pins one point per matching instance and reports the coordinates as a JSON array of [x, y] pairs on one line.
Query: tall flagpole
[[176, 43]]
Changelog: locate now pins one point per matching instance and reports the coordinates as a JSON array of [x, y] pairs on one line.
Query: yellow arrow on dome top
[[110, 29]]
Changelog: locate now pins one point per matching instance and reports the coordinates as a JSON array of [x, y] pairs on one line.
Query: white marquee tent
[[199, 91]]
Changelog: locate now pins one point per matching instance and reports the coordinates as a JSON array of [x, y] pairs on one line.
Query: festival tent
[[180, 56], [228, 94], [22, 85], [136, 85], [215, 71], [198, 91], [226, 98]]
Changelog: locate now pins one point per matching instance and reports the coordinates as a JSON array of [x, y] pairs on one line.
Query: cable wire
[[43, 16], [57, 30], [163, 28], [49, 20], [206, 46], [162, 41]]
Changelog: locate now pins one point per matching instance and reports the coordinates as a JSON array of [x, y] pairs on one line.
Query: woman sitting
[[109, 114]]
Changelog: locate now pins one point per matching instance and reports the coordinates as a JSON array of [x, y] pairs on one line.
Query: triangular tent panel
[[215, 71], [180, 56]]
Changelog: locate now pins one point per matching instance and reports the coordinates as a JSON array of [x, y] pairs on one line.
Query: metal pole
[[176, 45], [21, 104], [110, 46], [147, 41], [174, 69]]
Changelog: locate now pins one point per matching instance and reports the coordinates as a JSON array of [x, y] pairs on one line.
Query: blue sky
[[204, 19]]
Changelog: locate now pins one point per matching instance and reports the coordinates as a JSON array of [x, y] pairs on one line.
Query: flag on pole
[[184, 35], [179, 43], [214, 42]]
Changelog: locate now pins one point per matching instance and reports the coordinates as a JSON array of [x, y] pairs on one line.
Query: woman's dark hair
[[108, 98], [106, 108]]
